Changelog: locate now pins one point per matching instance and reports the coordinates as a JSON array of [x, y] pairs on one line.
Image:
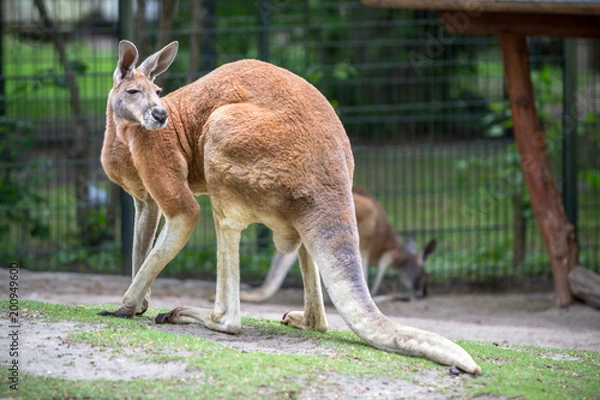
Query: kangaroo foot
[[297, 319], [141, 312], [175, 316], [143, 308], [165, 318]]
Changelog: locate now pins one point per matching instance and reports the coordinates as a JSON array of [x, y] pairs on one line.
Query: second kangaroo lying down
[[265, 146], [379, 245]]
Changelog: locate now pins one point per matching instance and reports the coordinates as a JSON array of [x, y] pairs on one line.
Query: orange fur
[[266, 147]]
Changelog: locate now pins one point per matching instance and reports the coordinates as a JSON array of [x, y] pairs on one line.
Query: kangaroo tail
[[336, 253], [349, 294]]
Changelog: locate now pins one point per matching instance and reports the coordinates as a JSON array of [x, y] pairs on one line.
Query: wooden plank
[[558, 234], [514, 6], [585, 285], [495, 23]]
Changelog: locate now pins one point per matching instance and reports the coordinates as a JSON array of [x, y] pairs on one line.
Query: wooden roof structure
[[575, 7], [512, 21]]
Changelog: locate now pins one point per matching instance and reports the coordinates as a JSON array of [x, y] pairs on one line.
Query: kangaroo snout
[[159, 114], [157, 118], [420, 287]]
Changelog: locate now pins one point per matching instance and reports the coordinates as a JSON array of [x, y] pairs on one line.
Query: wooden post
[[558, 234]]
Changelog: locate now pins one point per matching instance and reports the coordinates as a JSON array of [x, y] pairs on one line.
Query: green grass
[[523, 372]]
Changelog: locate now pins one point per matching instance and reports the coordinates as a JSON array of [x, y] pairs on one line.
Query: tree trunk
[[164, 30], [198, 15], [79, 153], [141, 30], [166, 22], [558, 233]]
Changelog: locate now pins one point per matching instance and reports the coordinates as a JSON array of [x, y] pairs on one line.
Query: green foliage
[[36, 86], [589, 133], [547, 94], [592, 177], [504, 177], [105, 260], [18, 182], [498, 120], [503, 171], [99, 231], [53, 77], [507, 175]]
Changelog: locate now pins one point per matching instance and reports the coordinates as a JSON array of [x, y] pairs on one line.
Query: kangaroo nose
[[159, 114]]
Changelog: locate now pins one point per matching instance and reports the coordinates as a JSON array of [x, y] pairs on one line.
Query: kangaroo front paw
[[120, 313]]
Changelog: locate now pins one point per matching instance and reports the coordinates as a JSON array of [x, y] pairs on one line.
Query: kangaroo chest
[[118, 164]]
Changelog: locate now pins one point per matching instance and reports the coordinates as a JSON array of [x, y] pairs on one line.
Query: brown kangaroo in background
[[266, 146], [379, 245]]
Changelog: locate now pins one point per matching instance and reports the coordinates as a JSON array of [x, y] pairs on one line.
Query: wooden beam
[[585, 284], [558, 234], [495, 23], [508, 6]]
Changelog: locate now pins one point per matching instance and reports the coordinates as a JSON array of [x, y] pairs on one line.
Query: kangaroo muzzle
[[156, 118]]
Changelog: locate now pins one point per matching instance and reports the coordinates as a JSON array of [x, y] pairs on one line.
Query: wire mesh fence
[[425, 110]]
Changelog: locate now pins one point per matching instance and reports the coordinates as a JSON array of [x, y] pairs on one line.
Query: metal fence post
[[127, 216], [125, 31], [570, 121], [264, 21], [2, 87], [208, 59]]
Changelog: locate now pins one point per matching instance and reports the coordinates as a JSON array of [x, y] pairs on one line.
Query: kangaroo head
[[411, 267], [135, 98]]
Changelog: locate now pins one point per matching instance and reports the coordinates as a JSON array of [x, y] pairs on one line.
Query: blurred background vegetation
[[425, 110]]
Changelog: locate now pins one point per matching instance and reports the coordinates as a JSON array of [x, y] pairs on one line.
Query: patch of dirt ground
[[529, 319]]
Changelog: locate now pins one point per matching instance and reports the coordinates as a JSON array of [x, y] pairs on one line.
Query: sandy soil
[[530, 319]]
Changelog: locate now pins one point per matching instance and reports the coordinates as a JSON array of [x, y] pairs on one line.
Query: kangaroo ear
[[158, 62], [429, 248], [128, 56]]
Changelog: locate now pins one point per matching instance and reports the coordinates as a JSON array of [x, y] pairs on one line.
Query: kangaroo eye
[[133, 91], [158, 91]]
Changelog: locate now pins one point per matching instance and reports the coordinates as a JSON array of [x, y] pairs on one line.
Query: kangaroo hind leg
[[313, 316], [225, 316], [147, 215]]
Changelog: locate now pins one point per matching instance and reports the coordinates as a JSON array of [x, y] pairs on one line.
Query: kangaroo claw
[[163, 318]]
